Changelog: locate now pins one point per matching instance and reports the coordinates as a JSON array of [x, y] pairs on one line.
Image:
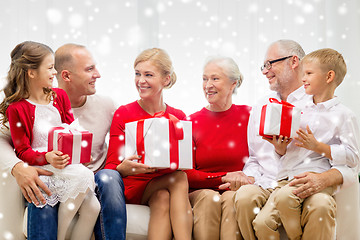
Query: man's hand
[[315, 182], [130, 166], [234, 180], [311, 183], [27, 177]]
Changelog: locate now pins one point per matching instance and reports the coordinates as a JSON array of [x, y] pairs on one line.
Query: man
[[77, 75], [283, 71]]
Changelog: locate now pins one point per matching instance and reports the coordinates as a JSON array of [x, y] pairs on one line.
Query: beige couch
[[12, 213]]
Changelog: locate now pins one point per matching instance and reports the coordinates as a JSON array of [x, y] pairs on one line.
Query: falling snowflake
[[156, 153], [216, 198], [84, 143], [76, 20], [8, 236], [342, 9], [173, 166], [54, 15], [148, 12], [71, 206]]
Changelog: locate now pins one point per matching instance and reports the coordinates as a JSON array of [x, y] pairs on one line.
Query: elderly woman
[[220, 151]]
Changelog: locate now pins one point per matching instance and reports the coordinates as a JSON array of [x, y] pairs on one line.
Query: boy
[[331, 138]]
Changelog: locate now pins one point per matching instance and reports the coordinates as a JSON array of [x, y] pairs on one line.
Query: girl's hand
[[130, 166], [306, 139], [279, 143], [234, 180], [57, 159]]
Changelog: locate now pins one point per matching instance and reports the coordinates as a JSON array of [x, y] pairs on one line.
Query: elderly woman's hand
[[234, 180], [130, 166]]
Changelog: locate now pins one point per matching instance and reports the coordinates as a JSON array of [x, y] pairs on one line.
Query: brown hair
[[161, 60], [329, 59], [26, 55]]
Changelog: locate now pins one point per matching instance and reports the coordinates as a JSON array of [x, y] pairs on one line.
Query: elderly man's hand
[[311, 183], [27, 177]]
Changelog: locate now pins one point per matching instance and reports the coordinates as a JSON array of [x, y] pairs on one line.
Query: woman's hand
[[130, 166], [279, 143], [234, 180], [57, 159]]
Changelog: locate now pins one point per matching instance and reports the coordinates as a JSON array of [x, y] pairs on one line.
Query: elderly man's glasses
[[268, 64]]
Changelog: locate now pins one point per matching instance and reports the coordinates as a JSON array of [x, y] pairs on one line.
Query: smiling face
[[44, 75], [217, 87], [314, 78], [83, 73], [149, 80], [279, 75]]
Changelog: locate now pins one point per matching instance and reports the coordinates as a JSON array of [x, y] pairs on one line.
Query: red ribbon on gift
[[286, 118], [176, 133]]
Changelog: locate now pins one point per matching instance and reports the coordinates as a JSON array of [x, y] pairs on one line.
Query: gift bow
[[176, 133], [74, 129], [274, 100]]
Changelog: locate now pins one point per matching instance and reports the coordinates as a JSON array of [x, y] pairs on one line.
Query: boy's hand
[[57, 159], [279, 143], [306, 139]]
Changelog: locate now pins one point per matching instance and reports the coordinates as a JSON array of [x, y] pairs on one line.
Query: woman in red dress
[[164, 191]]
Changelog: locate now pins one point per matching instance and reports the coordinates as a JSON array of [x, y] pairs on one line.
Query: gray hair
[[290, 47], [229, 67]]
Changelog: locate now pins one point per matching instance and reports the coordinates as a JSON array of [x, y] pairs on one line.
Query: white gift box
[[156, 142], [279, 119]]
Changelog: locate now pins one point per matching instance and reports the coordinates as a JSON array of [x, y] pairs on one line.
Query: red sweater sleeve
[[21, 132], [62, 103], [200, 179], [116, 141]]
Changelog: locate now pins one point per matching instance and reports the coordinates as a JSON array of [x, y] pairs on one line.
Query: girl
[[32, 107], [164, 191]]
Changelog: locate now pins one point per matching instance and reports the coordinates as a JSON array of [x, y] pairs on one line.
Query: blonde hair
[[329, 59], [161, 60], [230, 68], [26, 55]]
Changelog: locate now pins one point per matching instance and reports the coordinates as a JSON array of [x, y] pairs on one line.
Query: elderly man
[[283, 71]]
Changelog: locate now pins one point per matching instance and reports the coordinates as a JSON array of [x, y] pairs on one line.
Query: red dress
[[220, 145], [134, 185]]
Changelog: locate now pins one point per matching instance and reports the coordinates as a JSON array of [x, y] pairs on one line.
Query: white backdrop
[[190, 30]]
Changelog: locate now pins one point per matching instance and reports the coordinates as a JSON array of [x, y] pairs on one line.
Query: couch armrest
[[348, 213], [11, 207]]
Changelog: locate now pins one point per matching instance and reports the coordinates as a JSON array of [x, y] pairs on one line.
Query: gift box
[[279, 118], [163, 141], [69, 139]]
